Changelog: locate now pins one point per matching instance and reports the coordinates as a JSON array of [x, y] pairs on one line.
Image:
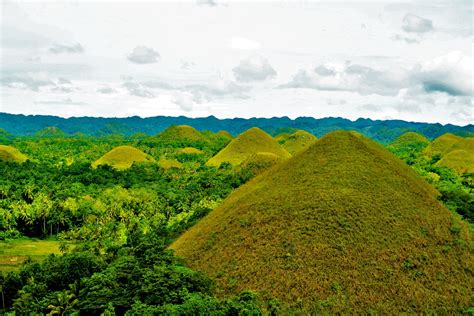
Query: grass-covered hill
[[50, 131], [296, 142], [410, 141], [257, 163], [441, 145], [460, 160], [9, 153], [122, 158], [246, 144], [178, 136], [343, 227]]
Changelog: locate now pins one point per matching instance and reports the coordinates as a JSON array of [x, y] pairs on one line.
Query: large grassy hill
[[122, 158], [296, 142], [343, 227], [441, 144], [245, 145], [9, 153], [179, 136], [410, 141]]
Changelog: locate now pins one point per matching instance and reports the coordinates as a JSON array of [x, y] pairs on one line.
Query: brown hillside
[[343, 227]]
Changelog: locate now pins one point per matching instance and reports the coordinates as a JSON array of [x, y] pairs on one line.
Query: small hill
[[169, 163], [178, 136], [246, 144], [464, 144], [344, 227], [410, 141], [441, 144], [259, 162], [460, 160], [50, 132], [122, 158], [9, 153], [224, 134], [296, 142], [191, 151]]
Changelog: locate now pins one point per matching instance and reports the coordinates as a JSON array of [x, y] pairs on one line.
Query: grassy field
[[14, 253]]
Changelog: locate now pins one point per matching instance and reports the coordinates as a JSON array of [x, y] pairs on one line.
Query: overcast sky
[[407, 60]]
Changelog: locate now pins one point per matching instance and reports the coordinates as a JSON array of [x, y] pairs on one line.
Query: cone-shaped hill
[[410, 141], [343, 227], [9, 153], [246, 144], [178, 136], [122, 158], [50, 132], [259, 162], [460, 160], [441, 144], [296, 142]]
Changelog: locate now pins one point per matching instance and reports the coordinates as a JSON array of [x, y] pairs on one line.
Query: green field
[[13, 253]]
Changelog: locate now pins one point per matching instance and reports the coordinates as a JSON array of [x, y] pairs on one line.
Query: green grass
[[8, 153], [123, 157], [441, 145], [178, 136], [296, 142], [191, 151], [410, 140], [342, 227], [460, 160], [259, 162], [169, 163], [246, 144], [13, 253]]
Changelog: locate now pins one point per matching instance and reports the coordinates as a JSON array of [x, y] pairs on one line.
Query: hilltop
[[9, 153], [343, 227], [410, 141], [178, 136], [50, 131], [246, 144], [296, 142], [122, 158], [460, 160], [441, 144]]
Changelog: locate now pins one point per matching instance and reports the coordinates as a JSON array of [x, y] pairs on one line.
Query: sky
[[408, 60]]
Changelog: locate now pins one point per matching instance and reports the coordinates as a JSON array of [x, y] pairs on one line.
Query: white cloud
[[415, 24], [451, 73], [137, 89], [144, 55], [244, 43], [66, 49], [348, 77], [252, 69], [184, 100], [31, 80]]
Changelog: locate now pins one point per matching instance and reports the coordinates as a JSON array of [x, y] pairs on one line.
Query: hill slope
[[122, 158], [9, 153], [410, 141], [246, 144], [441, 144], [179, 136], [343, 227], [296, 142]]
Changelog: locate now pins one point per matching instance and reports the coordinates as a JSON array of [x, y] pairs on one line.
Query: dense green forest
[[114, 214], [384, 131]]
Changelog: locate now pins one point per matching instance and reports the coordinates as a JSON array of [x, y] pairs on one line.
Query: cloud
[[138, 90], [253, 69], [184, 100], [65, 49], [144, 55], [67, 101], [244, 43], [406, 39], [106, 90], [30, 81], [211, 3], [451, 74], [415, 24], [348, 77]]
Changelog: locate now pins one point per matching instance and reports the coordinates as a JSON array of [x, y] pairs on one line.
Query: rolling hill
[[296, 142], [343, 227], [259, 162], [178, 136], [410, 141], [462, 161], [122, 158], [441, 145], [9, 153], [246, 144]]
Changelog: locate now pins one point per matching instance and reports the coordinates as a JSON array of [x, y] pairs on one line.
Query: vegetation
[[8, 153], [442, 144], [296, 142], [339, 228], [77, 239], [246, 144], [123, 157]]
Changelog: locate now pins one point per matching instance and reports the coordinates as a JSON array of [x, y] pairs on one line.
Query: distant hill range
[[381, 130]]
